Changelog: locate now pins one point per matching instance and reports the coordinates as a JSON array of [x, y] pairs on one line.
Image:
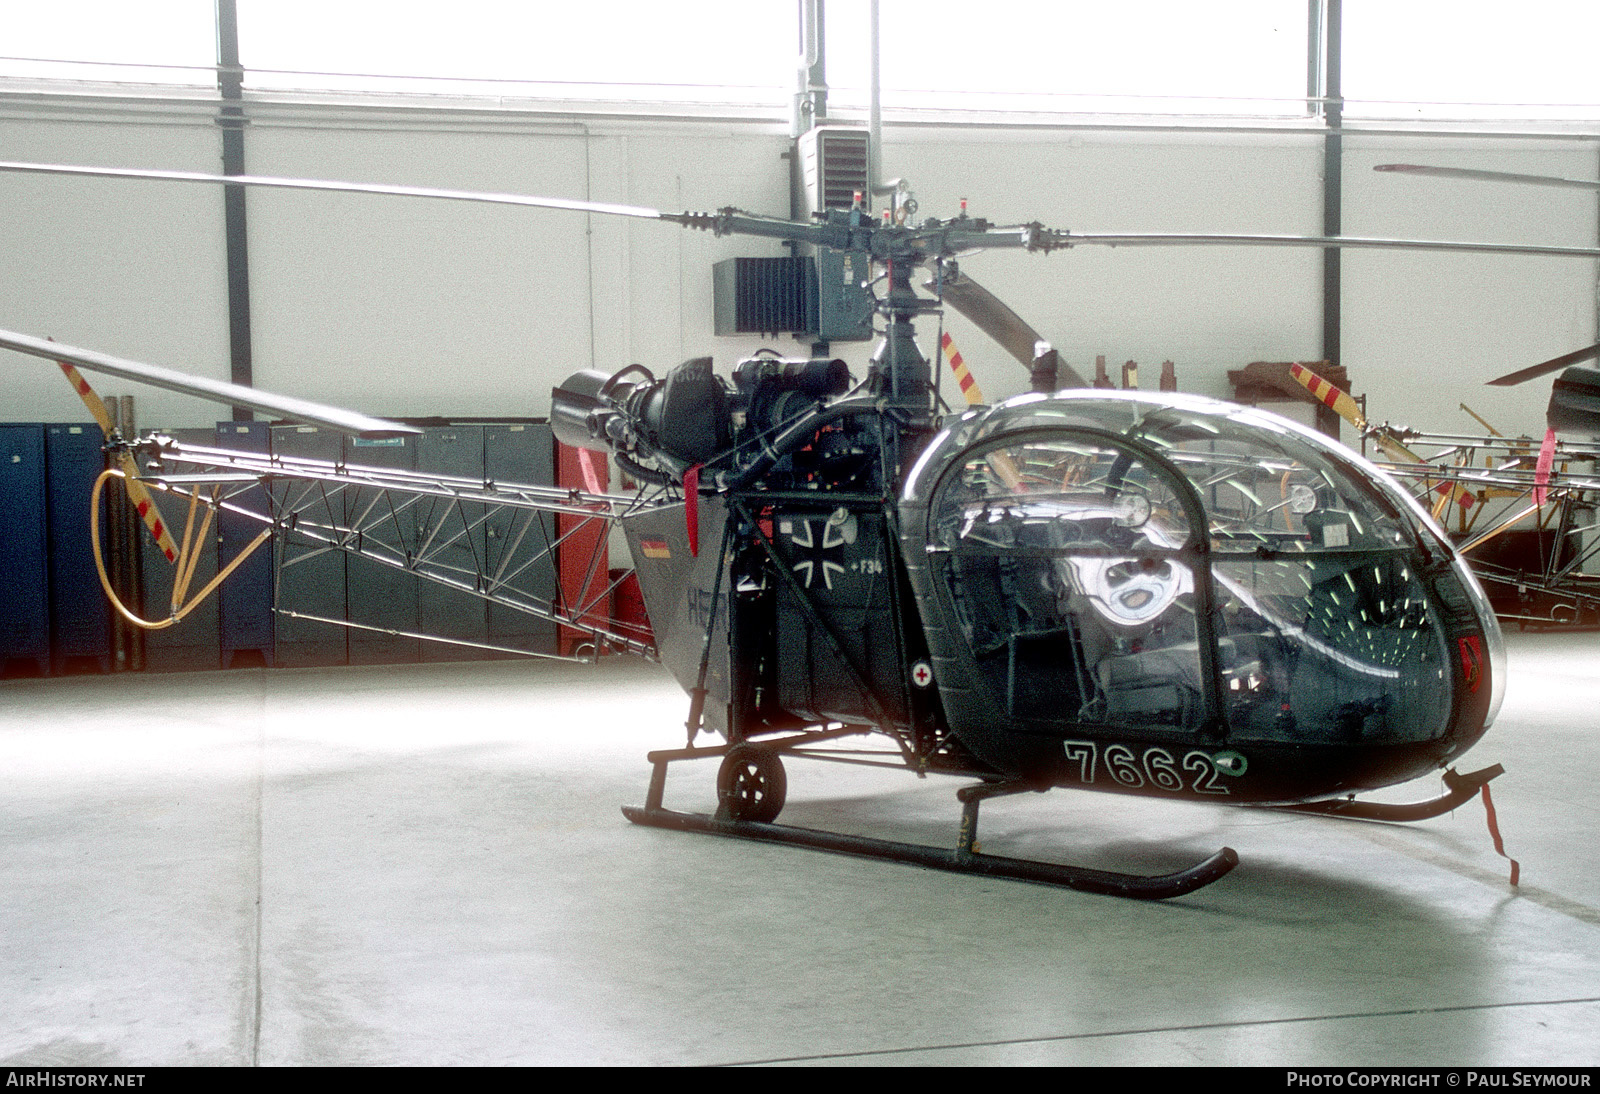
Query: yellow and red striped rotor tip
[[1324, 392]]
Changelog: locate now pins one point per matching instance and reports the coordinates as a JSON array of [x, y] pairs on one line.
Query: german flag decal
[[655, 548]]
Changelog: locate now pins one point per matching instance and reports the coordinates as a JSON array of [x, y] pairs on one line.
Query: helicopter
[[1167, 596]]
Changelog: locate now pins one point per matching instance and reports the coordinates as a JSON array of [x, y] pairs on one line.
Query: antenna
[[874, 102]]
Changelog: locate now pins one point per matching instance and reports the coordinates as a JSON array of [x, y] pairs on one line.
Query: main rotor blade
[[1188, 239], [995, 318], [340, 187], [1031, 237], [1488, 176], [1544, 368], [283, 406]]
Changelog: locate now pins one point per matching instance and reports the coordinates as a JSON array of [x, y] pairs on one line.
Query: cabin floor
[[427, 865]]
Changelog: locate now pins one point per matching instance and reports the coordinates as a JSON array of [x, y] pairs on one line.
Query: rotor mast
[[902, 375]]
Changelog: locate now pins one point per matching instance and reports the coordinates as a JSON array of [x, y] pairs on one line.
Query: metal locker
[[24, 565], [521, 452], [458, 539], [80, 617], [310, 579], [381, 596], [246, 597]]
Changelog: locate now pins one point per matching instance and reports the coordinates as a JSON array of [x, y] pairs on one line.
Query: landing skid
[[750, 791], [1459, 789]]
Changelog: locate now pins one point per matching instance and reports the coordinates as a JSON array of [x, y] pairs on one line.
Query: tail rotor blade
[[91, 398], [1348, 409], [1326, 393], [141, 497]]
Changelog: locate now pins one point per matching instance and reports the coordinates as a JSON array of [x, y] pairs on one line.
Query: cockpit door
[[1072, 565]]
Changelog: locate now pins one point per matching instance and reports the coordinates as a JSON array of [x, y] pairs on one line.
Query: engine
[[658, 428]]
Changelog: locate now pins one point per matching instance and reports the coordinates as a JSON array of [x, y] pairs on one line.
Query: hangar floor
[[426, 865]]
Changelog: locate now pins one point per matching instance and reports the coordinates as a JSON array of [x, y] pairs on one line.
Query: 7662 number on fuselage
[[1156, 767]]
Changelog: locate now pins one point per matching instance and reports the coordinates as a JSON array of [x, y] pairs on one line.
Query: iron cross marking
[[818, 558]]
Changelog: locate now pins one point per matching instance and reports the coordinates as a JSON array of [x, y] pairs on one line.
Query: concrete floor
[[426, 865]]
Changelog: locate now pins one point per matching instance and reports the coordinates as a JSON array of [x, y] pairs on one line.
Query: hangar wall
[[412, 307]]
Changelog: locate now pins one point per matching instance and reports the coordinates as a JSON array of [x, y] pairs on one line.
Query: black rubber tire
[[751, 784]]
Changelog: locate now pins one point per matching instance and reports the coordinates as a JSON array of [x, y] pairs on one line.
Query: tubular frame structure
[[424, 524]]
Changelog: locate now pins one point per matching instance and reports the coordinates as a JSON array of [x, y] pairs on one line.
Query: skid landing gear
[[1459, 789], [750, 794]]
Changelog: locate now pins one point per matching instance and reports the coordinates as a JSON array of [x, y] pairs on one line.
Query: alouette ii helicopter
[[1159, 595]]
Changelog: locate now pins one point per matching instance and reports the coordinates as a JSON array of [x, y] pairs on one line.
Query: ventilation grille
[[765, 295], [834, 160]]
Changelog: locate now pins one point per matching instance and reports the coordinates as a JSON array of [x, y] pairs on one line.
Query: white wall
[[1424, 331], [402, 306], [1207, 309], [133, 269]]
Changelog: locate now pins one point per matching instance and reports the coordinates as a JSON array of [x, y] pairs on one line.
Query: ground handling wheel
[[751, 785]]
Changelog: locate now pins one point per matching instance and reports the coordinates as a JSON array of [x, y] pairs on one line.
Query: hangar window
[[1475, 59], [1140, 56], [112, 41], [708, 50], [1417, 59]]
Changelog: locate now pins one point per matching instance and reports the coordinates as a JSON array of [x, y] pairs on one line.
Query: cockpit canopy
[[1185, 567]]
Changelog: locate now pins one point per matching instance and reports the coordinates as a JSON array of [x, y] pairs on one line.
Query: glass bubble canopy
[[1180, 565]]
